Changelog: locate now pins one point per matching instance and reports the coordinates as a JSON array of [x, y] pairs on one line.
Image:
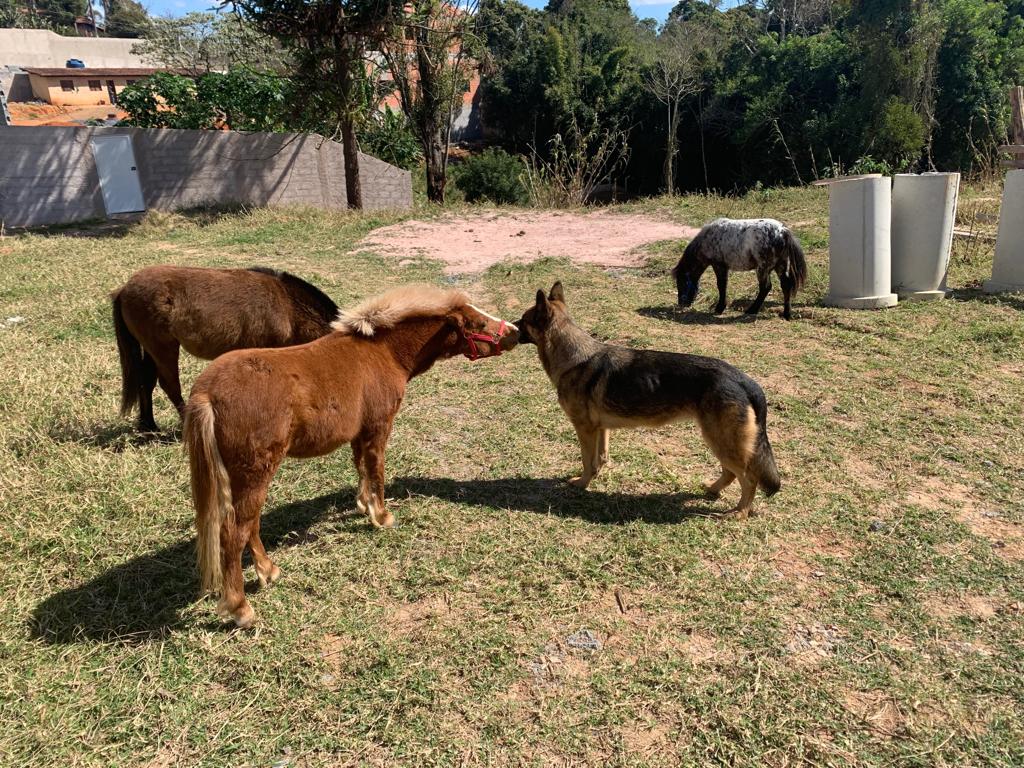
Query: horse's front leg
[[764, 287], [374, 445], [363, 494], [722, 277]]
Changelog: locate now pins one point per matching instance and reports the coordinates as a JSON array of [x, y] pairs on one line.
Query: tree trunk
[[353, 183], [670, 151], [433, 154]]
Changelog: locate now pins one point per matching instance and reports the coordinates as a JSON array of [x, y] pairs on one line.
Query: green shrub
[[388, 137], [493, 175]]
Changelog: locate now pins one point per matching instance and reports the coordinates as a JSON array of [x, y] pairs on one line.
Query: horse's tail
[[795, 256], [211, 489], [130, 352], [763, 460]]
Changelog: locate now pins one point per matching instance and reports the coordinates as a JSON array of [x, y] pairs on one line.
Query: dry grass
[[872, 614]]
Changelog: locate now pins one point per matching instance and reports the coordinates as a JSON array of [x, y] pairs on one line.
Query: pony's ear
[[557, 294], [457, 319]]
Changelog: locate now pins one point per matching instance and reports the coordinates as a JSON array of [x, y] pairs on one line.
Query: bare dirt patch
[[877, 709], [472, 243]]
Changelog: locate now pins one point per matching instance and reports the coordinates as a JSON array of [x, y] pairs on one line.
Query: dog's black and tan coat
[[603, 387]]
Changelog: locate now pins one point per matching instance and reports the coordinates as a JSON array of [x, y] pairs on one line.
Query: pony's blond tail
[[211, 490]]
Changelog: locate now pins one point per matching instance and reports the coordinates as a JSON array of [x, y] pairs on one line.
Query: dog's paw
[[579, 482], [710, 493]]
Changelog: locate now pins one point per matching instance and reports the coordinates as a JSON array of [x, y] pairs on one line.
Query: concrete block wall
[[43, 48], [384, 185], [48, 174]]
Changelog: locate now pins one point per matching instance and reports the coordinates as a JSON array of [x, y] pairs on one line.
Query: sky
[[643, 8]]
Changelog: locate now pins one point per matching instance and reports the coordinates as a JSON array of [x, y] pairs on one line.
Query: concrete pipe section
[[923, 214], [859, 266], [1008, 267]]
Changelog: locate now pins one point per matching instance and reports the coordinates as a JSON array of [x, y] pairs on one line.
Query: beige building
[[83, 87]]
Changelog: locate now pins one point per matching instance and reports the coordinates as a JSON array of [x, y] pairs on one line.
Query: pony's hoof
[[243, 615], [266, 579]]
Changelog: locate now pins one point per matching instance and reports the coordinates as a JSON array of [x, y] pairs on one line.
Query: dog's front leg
[[602, 449], [589, 441]]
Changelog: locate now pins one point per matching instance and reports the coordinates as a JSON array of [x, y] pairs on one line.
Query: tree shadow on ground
[[144, 598], [1012, 300], [120, 225]]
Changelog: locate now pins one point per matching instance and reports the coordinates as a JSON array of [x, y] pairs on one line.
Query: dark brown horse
[[251, 408], [208, 312]]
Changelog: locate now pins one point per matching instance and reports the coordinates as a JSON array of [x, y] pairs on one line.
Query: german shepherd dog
[[741, 245], [603, 387]]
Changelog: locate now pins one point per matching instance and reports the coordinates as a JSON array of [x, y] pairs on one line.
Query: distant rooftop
[[93, 71]]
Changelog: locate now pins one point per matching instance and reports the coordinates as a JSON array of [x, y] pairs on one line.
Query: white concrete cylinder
[[1008, 267], [923, 214], [859, 266]]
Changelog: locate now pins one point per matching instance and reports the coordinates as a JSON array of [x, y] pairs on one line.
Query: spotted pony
[[742, 245]]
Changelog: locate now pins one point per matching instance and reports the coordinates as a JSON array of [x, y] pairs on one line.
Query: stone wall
[[48, 175]]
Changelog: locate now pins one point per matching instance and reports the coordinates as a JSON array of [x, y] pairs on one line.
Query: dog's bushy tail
[[211, 489], [763, 461], [130, 352], [797, 262]]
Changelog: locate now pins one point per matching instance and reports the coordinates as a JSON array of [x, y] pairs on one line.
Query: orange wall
[[48, 89]]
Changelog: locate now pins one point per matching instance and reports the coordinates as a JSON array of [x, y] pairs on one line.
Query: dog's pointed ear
[[542, 308], [557, 293]]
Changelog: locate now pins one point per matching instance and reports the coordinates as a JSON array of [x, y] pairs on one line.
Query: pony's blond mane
[[392, 307]]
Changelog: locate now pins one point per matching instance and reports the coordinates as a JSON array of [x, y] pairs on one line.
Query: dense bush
[[493, 175], [387, 135]]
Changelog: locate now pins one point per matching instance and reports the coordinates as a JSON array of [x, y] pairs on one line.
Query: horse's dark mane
[[316, 299]]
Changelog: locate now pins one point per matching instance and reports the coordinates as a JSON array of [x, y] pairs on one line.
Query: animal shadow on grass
[[547, 496], [115, 437], [143, 599], [697, 317]]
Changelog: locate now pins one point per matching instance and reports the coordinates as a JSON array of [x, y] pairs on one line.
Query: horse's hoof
[[244, 616], [267, 579]]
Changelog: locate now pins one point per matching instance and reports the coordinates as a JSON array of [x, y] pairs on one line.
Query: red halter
[[472, 338]]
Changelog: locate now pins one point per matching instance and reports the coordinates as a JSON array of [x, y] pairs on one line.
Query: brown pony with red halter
[[251, 408]]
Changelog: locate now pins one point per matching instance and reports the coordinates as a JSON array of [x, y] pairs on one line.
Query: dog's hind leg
[[590, 440], [730, 435], [714, 490], [722, 277]]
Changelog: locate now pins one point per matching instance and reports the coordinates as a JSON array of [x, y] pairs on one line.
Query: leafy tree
[[125, 18], [681, 55], [206, 42], [327, 40], [388, 136], [240, 99], [428, 49]]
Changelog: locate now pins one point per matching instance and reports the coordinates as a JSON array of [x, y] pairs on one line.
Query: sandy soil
[[473, 243], [33, 113]]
